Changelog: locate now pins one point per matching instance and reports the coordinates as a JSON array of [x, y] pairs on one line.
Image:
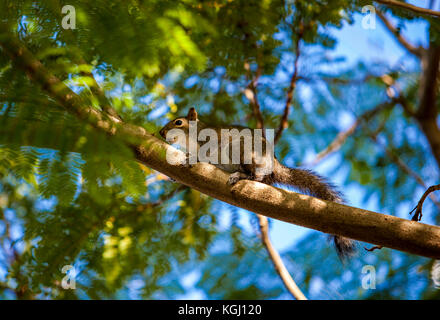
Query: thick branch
[[418, 209], [329, 217], [410, 7]]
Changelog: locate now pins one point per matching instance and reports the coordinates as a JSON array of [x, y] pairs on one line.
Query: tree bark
[[410, 7], [427, 111]]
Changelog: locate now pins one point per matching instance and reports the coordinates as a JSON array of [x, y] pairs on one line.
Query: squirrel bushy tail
[[308, 182]]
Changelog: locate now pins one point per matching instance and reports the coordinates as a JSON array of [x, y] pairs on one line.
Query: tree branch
[[164, 198], [340, 139], [329, 217], [426, 114], [407, 6], [281, 269], [97, 91], [418, 209], [284, 119], [402, 165], [417, 51], [251, 94]]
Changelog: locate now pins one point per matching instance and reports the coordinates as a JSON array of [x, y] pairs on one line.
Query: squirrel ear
[[192, 114]]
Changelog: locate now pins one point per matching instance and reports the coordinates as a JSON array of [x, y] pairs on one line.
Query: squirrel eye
[[178, 122]]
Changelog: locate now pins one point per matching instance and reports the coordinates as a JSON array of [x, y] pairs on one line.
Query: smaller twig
[[162, 199], [289, 97], [277, 261], [373, 248], [99, 93], [417, 51], [410, 7], [280, 268], [418, 209], [336, 144], [406, 106], [251, 94], [333, 80], [340, 139]]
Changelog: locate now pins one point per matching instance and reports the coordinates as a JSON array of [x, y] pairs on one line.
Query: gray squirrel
[[264, 168]]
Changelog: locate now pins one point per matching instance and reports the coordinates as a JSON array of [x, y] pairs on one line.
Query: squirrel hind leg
[[236, 176]]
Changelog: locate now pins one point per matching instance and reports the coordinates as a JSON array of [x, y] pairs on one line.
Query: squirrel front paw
[[186, 163]]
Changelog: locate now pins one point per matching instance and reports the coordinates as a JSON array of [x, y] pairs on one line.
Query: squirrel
[[262, 168]]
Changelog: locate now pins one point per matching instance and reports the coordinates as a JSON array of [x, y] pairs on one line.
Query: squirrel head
[[179, 123]]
